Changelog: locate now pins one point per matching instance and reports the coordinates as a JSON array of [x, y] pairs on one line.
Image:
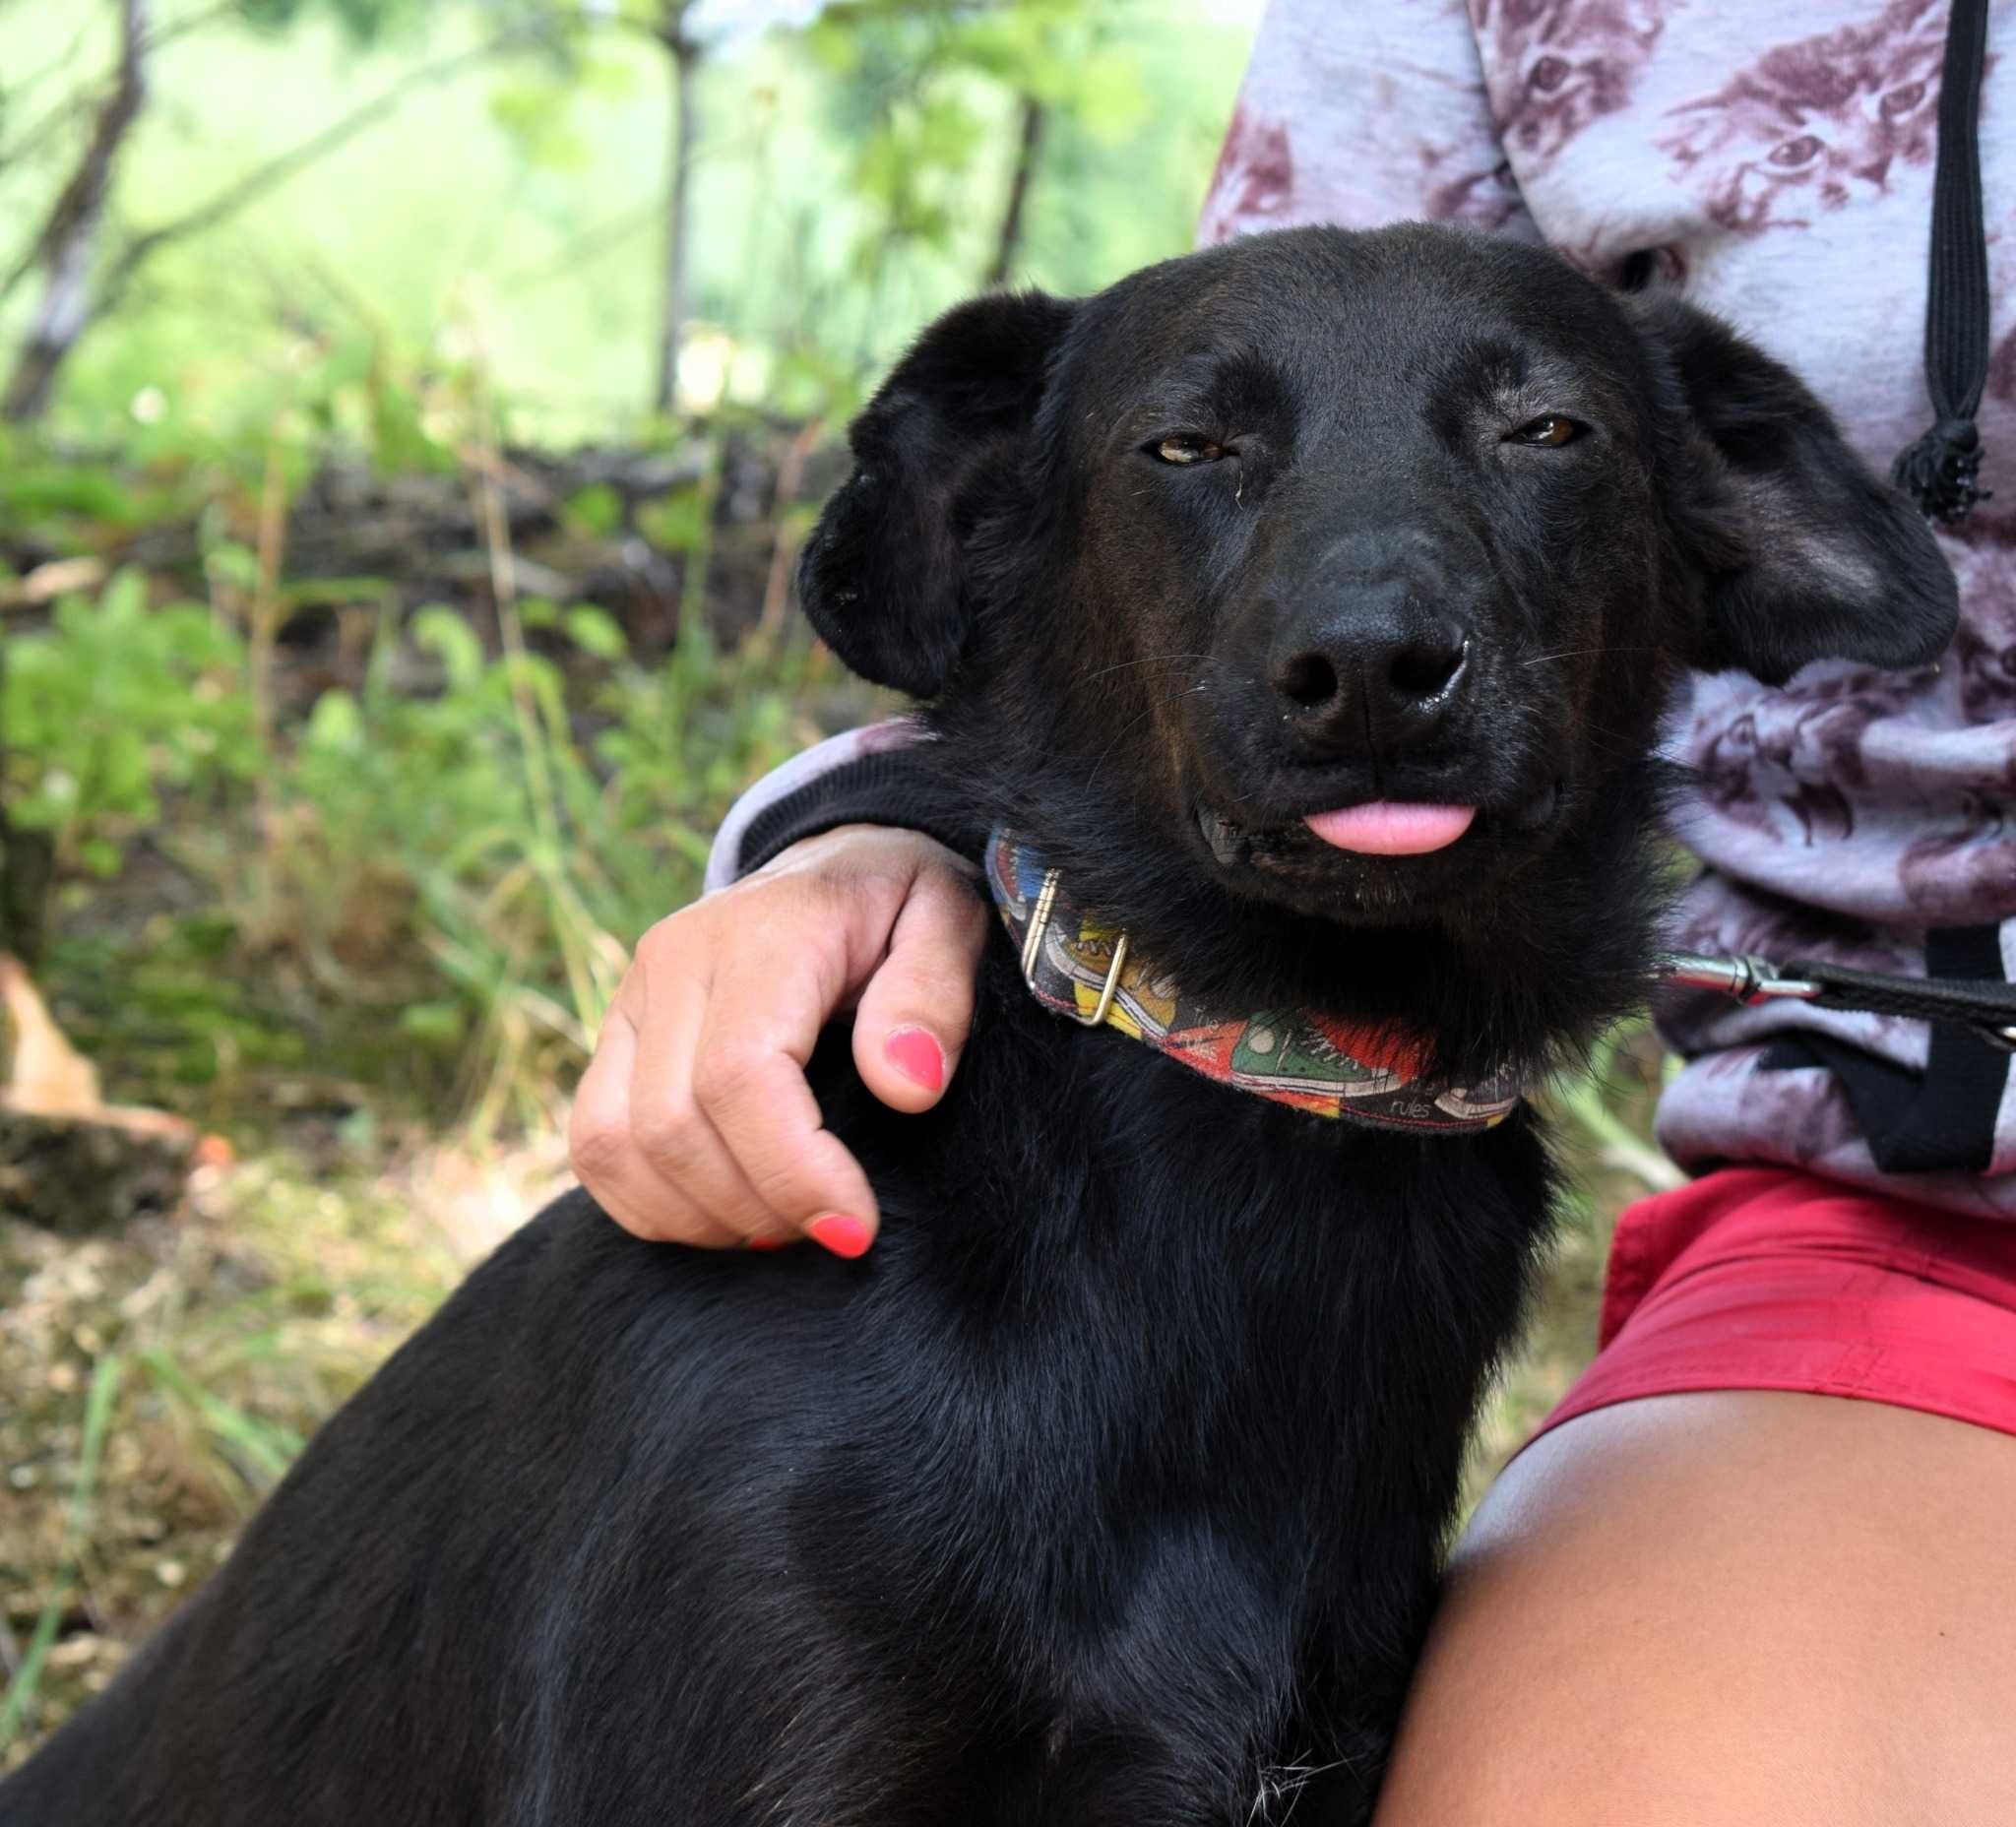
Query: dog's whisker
[[1577, 652], [1105, 754], [1150, 659]]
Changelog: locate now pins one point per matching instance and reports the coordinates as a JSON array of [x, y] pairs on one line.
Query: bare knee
[[1748, 1608]]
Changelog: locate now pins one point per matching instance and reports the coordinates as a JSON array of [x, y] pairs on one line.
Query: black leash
[[1940, 471], [1984, 1005]]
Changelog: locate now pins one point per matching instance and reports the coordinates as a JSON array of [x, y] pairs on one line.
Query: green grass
[[161, 1381], [17, 1704]]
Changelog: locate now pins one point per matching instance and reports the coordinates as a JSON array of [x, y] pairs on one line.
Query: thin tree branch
[[74, 217], [868, 11], [850, 12], [71, 303], [598, 238], [65, 111], [193, 22], [279, 169], [1029, 147], [647, 28], [67, 246], [31, 138], [684, 52], [21, 87]]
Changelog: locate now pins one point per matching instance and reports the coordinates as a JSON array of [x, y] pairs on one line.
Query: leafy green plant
[[521, 854], [112, 706]]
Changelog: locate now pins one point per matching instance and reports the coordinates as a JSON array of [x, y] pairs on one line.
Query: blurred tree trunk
[[1029, 149], [684, 51], [66, 248]]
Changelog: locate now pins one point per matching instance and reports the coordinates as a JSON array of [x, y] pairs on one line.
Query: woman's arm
[[861, 776]]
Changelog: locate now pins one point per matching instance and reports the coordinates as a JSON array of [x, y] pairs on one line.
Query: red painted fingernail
[[764, 1243], [916, 1054], [842, 1235]]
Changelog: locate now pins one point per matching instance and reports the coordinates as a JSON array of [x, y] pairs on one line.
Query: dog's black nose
[[1373, 675]]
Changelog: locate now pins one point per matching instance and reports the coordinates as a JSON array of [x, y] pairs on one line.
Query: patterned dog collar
[[1299, 1057]]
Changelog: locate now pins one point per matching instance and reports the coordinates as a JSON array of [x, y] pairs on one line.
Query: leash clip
[[1033, 951], [1754, 980], [1746, 977]]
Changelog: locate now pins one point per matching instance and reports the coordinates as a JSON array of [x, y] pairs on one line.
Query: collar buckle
[[1033, 951], [1322, 1065]]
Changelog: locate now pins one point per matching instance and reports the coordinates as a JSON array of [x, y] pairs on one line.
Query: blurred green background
[[410, 411]]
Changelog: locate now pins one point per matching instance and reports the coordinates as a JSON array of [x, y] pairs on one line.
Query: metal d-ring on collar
[[1033, 951]]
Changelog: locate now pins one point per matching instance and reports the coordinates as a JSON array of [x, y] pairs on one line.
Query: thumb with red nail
[[694, 1122]]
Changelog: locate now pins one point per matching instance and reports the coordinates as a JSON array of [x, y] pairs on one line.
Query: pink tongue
[[1386, 828]]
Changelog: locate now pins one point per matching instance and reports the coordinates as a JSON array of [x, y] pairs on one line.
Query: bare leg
[[1773, 1610]]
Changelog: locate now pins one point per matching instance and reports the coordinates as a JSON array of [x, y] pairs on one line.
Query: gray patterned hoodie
[[1775, 163]]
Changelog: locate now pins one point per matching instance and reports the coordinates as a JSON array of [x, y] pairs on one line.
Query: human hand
[[694, 1122]]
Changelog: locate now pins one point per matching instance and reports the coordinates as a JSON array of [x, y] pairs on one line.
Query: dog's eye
[[1186, 450], [1551, 428]]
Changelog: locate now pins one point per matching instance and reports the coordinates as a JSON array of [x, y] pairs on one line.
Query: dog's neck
[[1526, 972], [1305, 1058]]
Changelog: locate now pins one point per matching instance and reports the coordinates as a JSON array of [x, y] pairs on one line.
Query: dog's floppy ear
[[1808, 553], [883, 576]]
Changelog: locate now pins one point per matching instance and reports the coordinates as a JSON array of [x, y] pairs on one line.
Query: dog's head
[[1346, 572]]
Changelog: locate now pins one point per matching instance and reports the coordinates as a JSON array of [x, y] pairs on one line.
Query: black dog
[[1111, 1487]]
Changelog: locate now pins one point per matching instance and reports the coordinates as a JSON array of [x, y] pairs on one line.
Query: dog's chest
[[1140, 1434], [1169, 1419], [1121, 1579]]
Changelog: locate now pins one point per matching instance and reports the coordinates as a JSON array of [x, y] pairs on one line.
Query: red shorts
[[1768, 1277]]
